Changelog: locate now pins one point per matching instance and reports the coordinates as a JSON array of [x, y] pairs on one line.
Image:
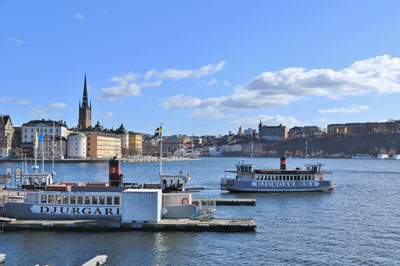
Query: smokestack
[[114, 173], [283, 163]]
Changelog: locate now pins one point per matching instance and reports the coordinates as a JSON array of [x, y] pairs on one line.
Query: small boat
[[396, 157], [361, 156], [382, 156], [247, 179]]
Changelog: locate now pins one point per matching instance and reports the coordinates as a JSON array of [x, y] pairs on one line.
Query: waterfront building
[[240, 132], [44, 127], [6, 135], [364, 128], [303, 132], [77, 145], [85, 110], [272, 132], [135, 143], [124, 134], [102, 143], [58, 148], [250, 131]]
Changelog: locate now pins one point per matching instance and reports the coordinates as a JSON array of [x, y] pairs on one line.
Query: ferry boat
[[382, 156], [247, 179], [38, 198]]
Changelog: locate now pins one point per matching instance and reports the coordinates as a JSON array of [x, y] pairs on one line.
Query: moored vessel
[[247, 179], [40, 199]]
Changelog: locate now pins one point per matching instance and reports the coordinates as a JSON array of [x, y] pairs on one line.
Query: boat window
[[116, 200], [50, 199], [94, 200], [313, 177], [87, 200], [65, 199], [80, 200], [43, 198], [101, 200], [73, 199], [58, 199], [109, 200], [280, 177]]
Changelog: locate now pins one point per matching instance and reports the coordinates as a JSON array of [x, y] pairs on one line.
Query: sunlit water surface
[[358, 223]]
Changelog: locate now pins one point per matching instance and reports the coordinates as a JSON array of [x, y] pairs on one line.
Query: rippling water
[[356, 224]]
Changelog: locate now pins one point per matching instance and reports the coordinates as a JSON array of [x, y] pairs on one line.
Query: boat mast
[[306, 151], [161, 149], [52, 152]]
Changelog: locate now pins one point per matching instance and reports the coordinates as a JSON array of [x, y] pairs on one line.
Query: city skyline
[[201, 68]]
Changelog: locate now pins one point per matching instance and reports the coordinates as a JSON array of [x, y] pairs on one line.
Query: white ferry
[[247, 179], [39, 198]]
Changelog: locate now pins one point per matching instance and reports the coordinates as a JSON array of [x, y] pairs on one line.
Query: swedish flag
[[158, 132]]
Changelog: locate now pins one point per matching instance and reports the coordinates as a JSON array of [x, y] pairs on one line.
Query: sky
[[201, 67]]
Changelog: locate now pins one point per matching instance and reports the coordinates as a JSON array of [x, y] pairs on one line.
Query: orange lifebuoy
[[321, 179], [185, 201]]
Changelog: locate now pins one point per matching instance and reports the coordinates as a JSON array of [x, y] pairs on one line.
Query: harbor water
[[356, 224]]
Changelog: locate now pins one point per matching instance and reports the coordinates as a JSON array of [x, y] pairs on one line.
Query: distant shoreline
[[123, 160]]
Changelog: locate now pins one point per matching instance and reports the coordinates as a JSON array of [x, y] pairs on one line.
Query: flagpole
[[161, 149], [52, 152], [43, 155], [35, 147]]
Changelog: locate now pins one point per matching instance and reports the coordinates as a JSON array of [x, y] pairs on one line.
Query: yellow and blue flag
[[158, 132], [35, 140]]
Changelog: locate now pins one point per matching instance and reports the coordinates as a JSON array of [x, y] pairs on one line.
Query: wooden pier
[[221, 201], [213, 225]]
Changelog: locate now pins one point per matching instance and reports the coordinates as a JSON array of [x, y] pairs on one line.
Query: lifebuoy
[[321, 179], [185, 201]]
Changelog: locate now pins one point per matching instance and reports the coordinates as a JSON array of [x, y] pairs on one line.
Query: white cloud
[[59, 105], [6, 99], [226, 83], [126, 86], [38, 113], [212, 82], [204, 71], [15, 40], [79, 16], [378, 76], [24, 101], [351, 110], [129, 84], [109, 115], [150, 74], [58, 114], [253, 122]]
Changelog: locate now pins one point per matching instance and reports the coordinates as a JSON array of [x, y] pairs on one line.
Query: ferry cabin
[[66, 205]]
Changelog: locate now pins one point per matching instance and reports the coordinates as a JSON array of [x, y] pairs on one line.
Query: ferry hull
[[28, 211], [266, 186]]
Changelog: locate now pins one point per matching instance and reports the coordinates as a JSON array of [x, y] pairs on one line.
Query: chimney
[[283, 163]]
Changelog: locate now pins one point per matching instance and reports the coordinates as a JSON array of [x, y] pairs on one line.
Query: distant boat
[[361, 156], [382, 156], [396, 157], [247, 179]]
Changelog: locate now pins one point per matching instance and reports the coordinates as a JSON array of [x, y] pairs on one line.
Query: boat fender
[[185, 201]]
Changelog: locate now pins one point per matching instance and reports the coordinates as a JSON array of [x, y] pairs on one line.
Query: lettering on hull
[[285, 184], [95, 211]]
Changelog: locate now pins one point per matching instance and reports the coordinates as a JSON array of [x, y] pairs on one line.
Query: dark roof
[[45, 122], [5, 118]]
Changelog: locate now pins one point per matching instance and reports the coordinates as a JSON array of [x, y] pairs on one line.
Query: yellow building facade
[[102, 144], [135, 143]]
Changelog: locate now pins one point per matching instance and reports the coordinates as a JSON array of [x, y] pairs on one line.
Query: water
[[357, 224]]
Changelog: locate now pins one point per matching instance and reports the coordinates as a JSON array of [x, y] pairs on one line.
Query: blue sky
[[201, 67]]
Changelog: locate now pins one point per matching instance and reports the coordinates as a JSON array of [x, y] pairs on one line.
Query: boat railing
[[12, 196]]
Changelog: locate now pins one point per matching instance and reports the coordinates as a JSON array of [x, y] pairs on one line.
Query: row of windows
[[26, 136], [80, 200], [285, 177], [41, 130]]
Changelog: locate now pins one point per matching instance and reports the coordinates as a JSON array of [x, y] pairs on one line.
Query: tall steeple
[[85, 102], [85, 111]]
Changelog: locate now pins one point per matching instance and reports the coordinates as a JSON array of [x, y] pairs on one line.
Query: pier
[[219, 201], [185, 225]]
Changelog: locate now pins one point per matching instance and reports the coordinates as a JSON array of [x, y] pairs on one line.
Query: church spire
[[85, 95]]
